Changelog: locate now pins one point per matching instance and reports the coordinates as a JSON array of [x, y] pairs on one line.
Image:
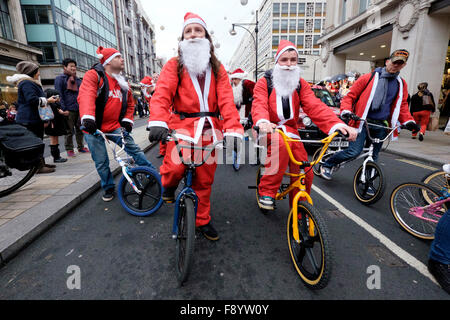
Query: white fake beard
[[123, 83], [285, 79], [237, 93], [195, 55]]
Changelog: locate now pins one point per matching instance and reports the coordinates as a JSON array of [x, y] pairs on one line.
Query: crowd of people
[[195, 96]]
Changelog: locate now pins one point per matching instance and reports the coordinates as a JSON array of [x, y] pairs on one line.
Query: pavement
[[31, 210]]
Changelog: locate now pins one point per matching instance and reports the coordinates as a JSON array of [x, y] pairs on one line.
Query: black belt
[[184, 115]]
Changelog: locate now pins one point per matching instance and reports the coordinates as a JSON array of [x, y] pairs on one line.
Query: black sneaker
[[209, 232], [108, 195], [169, 194], [441, 272]]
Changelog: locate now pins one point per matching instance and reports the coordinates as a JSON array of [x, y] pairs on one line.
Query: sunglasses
[[398, 63]]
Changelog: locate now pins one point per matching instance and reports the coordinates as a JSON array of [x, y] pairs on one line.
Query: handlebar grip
[[256, 128]]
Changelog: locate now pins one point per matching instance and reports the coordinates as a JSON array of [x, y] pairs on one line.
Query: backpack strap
[[365, 87]]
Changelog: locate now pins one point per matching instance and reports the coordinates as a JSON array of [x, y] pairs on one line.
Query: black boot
[[43, 168], [54, 150]]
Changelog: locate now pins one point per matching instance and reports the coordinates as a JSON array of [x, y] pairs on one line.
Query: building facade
[[369, 30], [13, 46], [301, 22]]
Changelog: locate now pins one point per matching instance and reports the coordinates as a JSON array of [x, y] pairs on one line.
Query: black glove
[[158, 134], [412, 126], [128, 126], [233, 142], [347, 116], [89, 126]]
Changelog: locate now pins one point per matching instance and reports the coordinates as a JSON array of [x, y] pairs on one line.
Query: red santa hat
[[238, 74], [282, 47], [193, 18], [106, 54], [147, 81]]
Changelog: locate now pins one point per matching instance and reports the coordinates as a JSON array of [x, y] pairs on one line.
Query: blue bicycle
[[186, 208]]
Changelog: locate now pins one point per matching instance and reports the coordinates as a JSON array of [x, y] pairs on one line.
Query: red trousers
[[172, 171], [422, 118], [276, 164], [162, 148]]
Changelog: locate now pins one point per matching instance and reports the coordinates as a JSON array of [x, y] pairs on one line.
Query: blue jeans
[[440, 247], [356, 147], [99, 154]]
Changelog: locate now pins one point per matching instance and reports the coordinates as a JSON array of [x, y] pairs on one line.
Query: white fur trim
[[238, 76], [16, 77], [87, 116], [194, 20], [336, 127], [157, 124], [110, 58], [261, 121], [128, 120], [283, 50], [233, 134]]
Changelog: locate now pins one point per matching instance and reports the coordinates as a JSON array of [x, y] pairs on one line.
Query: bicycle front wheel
[[436, 180], [185, 239], [312, 256], [316, 167], [409, 202], [370, 189], [148, 182]]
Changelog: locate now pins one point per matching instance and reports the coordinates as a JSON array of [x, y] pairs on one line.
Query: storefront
[[8, 92]]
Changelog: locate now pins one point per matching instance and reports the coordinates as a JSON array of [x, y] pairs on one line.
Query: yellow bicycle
[[307, 234]]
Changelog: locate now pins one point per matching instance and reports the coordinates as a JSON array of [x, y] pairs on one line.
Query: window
[[300, 41], [318, 9], [276, 9], [284, 9], [315, 42], [344, 11], [44, 15], [293, 9], [283, 38], [276, 25], [284, 25], [5, 21], [363, 5], [317, 25], [301, 9], [275, 41], [49, 51], [301, 25], [292, 39], [37, 14], [292, 25]]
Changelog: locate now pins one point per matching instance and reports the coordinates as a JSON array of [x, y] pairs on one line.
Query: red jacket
[[270, 109], [186, 96], [88, 94], [399, 108]]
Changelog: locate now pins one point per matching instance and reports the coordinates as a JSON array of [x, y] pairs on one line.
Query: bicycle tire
[[185, 239], [16, 185], [150, 200], [436, 180], [414, 195], [360, 189], [236, 164], [316, 275]]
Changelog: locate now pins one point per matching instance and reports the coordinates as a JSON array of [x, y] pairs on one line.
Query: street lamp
[[255, 38]]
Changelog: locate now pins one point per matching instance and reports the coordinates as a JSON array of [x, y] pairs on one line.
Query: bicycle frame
[[300, 183], [116, 156], [187, 191]]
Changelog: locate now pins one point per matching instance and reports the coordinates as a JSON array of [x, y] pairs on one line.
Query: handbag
[[46, 113]]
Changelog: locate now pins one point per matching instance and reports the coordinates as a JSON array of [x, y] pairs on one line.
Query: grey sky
[[218, 15]]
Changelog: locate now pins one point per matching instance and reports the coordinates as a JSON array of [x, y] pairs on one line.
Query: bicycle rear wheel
[[407, 202], [372, 189], [13, 179], [436, 180], [148, 182], [312, 256], [185, 239]]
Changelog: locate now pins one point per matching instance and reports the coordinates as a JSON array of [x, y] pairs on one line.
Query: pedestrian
[[422, 105], [196, 87], [382, 104], [31, 96], [106, 102], [4, 106], [68, 84], [11, 114], [56, 127], [277, 100]]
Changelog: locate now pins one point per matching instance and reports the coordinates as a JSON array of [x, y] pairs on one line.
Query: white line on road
[[417, 164], [402, 254]]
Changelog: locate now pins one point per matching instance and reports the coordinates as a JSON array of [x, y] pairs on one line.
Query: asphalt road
[[126, 257]]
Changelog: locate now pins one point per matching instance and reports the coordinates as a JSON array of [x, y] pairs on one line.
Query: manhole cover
[[385, 256]]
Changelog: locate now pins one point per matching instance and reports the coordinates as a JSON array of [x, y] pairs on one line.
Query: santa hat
[[238, 74], [282, 47], [147, 81], [106, 54], [193, 18]]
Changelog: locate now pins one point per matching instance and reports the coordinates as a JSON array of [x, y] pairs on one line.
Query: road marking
[[402, 254], [418, 164]]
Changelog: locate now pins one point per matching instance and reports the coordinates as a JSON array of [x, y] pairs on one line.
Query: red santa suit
[[186, 96], [247, 90], [270, 109], [365, 91]]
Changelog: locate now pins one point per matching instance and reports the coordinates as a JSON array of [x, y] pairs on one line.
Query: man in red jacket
[[280, 109], [382, 99], [192, 91], [106, 103]]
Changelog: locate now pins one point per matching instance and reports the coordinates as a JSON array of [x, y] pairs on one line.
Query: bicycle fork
[[311, 227], [127, 176]]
